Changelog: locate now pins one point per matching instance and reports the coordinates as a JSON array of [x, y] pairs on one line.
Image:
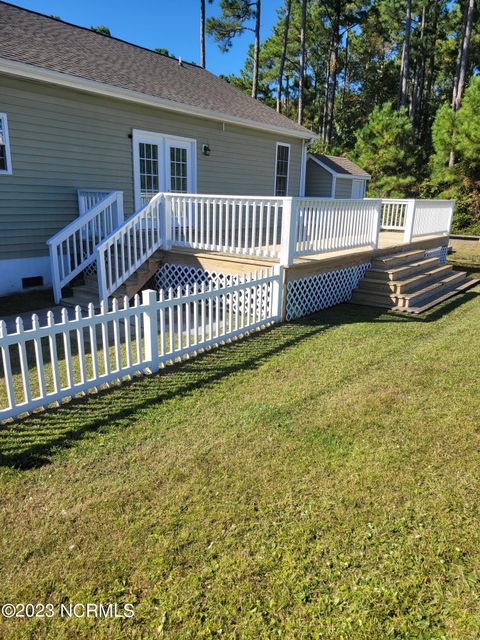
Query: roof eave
[[32, 72]]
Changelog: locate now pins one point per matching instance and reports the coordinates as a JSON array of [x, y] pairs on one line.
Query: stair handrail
[[73, 248], [125, 249]]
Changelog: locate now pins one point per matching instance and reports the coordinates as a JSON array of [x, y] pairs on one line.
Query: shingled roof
[[341, 165], [35, 39]]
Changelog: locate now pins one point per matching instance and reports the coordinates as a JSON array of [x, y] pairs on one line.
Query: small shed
[[334, 177]]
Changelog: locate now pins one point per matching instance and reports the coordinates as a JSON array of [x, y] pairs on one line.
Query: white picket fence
[[46, 364]]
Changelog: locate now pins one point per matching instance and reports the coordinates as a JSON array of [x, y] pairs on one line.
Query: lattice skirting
[[313, 293], [181, 275], [439, 252]]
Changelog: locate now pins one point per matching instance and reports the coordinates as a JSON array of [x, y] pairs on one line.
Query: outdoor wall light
[[206, 149]]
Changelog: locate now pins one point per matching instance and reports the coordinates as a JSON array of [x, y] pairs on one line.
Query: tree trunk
[[284, 55], [404, 68], [345, 77], [418, 76], [202, 33], [256, 53], [332, 86], [301, 80], [460, 72]]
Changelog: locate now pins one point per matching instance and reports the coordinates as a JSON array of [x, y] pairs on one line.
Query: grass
[[318, 480]]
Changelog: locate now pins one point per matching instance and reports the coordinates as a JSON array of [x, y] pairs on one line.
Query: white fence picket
[[169, 327]]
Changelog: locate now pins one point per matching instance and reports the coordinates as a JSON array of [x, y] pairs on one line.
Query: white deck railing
[[277, 228], [231, 224], [432, 217], [46, 364], [124, 250], [335, 225], [394, 213], [417, 218], [73, 248], [88, 198]]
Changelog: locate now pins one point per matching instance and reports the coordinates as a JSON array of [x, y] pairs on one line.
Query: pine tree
[[384, 148]]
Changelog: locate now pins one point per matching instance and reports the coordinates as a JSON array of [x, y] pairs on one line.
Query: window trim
[[9, 170], [162, 140], [281, 144]]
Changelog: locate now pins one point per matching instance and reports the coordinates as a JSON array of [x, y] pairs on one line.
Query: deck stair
[[84, 294], [409, 282]]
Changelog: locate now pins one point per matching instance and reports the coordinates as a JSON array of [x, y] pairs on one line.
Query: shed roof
[[340, 165]]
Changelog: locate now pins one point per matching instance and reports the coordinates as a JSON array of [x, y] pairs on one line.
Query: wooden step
[[399, 273], [372, 299], [434, 290], [470, 282], [398, 259], [414, 283]]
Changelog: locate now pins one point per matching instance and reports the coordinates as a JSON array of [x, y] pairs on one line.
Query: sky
[[171, 24]]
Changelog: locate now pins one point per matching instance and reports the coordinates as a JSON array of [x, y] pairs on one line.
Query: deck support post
[[289, 231], [150, 326], [278, 293], [166, 203], [409, 221], [57, 289], [118, 205]]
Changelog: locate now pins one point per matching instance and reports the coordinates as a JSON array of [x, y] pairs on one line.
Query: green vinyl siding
[[62, 139], [318, 181], [343, 188]]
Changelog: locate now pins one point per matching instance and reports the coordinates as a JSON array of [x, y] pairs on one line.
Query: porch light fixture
[[206, 149]]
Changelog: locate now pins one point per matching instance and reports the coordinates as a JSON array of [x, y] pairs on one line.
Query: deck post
[[57, 289], [119, 207], [409, 221], [150, 326], [289, 228], [377, 223], [278, 293], [166, 203]]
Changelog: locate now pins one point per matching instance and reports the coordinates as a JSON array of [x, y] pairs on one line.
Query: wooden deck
[[389, 242]]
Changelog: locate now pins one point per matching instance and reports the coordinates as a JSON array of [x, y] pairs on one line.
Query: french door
[[162, 163]]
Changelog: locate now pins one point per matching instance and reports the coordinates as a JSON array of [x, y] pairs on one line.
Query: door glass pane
[[178, 170], [149, 186]]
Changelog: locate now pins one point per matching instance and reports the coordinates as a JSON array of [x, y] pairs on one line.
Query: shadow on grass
[[31, 442]]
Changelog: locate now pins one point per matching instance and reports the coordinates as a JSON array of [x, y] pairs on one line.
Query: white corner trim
[[282, 144], [9, 170], [334, 173], [32, 72], [303, 169]]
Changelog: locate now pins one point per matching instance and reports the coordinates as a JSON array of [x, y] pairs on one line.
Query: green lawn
[[317, 480]]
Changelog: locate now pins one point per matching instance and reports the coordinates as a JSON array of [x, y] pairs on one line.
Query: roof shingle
[[340, 164], [38, 40]]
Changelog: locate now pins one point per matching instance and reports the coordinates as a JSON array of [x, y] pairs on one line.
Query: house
[[334, 177], [81, 110]]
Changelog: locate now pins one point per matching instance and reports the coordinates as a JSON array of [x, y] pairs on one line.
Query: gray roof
[[340, 164], [35, 39]]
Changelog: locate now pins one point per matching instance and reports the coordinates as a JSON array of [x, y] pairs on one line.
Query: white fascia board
[[20, 69], [334, 173]]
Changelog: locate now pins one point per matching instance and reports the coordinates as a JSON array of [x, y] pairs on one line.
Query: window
[[281, 169], [148, 155], [5, 160]]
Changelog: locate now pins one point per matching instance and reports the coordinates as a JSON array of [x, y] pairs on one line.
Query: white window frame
[[164, 142], [281, 144], [9, 170]]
